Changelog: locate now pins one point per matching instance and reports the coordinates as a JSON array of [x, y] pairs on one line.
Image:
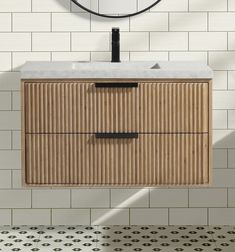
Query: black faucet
[[115, 45]]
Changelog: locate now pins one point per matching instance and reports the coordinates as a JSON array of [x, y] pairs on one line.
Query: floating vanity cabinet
[[80, 131]]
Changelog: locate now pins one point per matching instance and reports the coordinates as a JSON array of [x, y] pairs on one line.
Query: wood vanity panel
[[149, 160], [79, 107]]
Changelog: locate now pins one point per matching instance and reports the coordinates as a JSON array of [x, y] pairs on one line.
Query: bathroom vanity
[[116, 124]]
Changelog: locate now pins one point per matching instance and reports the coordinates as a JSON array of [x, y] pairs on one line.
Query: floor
[[117, 238]]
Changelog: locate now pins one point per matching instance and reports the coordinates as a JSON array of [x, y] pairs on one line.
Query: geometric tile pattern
[[117, 238]]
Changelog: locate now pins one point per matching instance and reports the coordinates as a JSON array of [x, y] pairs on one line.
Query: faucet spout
[[115, 45]]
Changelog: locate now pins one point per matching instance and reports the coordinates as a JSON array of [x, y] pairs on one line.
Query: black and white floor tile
[[117, 238]]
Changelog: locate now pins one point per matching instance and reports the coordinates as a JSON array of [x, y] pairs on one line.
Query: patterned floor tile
[[117, 238]]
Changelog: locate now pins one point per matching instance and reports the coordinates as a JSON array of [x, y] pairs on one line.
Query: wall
[[202, 30]]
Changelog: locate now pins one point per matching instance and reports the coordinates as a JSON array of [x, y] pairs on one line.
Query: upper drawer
[[72, 106]]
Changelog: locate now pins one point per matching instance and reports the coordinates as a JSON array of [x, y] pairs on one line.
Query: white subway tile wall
[[31, 217], [56, 30]]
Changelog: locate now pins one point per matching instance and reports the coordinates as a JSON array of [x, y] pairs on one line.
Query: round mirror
[[116, 8]]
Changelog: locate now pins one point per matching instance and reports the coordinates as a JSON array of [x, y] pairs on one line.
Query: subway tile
[[207, 197], [220, 80], [51, 41], [70, 56], [31, 216], [31, 22], [208, 41], [5, 217], [170, 5], [5, 179], [70, 22], [208, 5], [96, 41], [16, 100], [106, 56], [149, 22], [231, 5], [231, 197], [115, 7], [189, 56], [70, 216], [223, 100], [14, 6], [19, 58], [10, 120], [222, 60], [231, 41], [231, 119], [188, 21], [169, 41], [231, 80], [92, 5], [10, 159], [188, 216], [58, 198], [145, 56], [5, 100], [5, 140], [169, 198], [222, 21], [110, 216], [122, 198], [16, 179], [16, 140], [104, 24], [9, 81], [220, 158], [88, 198], [15, 198], [222, 216], [219, 119], [149, 216], [5, 63], [128, 41], [231, 158], [223, 178], [51, 5], [5, 21], [223, 139], [15, 41]]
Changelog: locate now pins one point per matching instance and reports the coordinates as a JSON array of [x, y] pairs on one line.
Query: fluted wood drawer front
[[150, 159], [75, 107]]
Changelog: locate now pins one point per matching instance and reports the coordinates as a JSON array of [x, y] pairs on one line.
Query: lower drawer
[[149, 160]]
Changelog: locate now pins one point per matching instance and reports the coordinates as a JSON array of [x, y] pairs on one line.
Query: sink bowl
[[108, 66]]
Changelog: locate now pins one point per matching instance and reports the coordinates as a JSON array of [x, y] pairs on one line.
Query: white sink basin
[[122, 70], [108, 66]]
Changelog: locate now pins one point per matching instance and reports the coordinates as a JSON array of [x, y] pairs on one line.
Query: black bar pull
[[116, 85], [116, 135]]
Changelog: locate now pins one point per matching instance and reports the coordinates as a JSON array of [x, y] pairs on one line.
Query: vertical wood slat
[[77, 107], [160, 159]]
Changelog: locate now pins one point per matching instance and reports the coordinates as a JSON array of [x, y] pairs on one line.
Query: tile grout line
[[90, 215], [207, 216], [51, 216]]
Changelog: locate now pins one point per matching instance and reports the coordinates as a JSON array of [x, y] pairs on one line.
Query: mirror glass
[[116, 8]]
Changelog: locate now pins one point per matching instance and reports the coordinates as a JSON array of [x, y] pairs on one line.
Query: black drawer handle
[[116, 135], [116, 85]]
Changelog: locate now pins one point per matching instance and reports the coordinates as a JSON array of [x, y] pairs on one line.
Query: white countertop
[[123, 70]]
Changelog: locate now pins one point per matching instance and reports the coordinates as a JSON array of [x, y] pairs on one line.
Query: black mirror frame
[[110, 16]]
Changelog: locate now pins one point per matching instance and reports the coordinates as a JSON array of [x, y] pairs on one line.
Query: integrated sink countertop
[[123, 70]]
